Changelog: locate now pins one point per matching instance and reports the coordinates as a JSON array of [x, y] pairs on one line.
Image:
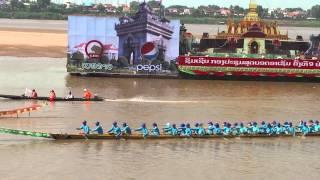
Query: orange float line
[[20, 110]]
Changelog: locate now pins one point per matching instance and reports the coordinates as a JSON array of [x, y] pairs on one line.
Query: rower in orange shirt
[[87, 94], [52, 95]]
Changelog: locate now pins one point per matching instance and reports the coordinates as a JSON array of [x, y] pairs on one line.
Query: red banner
[[248, 62]]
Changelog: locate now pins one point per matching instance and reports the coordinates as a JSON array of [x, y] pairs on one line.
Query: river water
[[148, 100]]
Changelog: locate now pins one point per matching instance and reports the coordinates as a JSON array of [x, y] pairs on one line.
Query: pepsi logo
[[149, 51]]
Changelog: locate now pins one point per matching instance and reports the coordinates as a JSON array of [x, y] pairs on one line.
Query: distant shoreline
[[218, 21], [48, 38]]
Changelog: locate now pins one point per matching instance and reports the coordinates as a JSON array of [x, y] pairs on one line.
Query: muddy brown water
[[153, 100]]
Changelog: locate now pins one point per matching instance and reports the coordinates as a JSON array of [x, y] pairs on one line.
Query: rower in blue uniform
[[290, 129], [217, 130], [85, 128], [195, 129], [143, 129], [304, 128], [174, 130], [188, 130], [201, 130], [243, 129], [227, 129], [263, 127], [155, 130], [210, 128], [182, 129], [311, 126], [235, 130], [126, 130], [317, 127], [98, 128], [115, 129], [255, 128], [249, 128], [269, 129]]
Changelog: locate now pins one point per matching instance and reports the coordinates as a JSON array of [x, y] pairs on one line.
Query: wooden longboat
[[42, 98], [62, 136], [138, 136]]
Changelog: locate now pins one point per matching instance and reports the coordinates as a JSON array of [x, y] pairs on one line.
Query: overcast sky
[[305, 4]]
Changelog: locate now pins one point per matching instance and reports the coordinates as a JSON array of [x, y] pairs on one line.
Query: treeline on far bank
[[44, 9]]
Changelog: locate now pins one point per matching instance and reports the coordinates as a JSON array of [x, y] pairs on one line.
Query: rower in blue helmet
[[201, 130], [155, 130], [210, 128], [217, 130], [182, 129], [98, 128], [115, 129], [85, 128], [188, 130], [196, 128], [143, 129], [126, 130], [243, 129]]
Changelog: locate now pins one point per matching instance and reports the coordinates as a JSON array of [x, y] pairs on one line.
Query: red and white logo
[[94, 49]]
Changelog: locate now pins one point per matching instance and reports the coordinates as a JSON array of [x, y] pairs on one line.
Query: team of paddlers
[[52, 95], [273, 128]]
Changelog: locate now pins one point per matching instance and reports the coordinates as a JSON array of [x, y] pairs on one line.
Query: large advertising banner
[[122, 45], [221, 66]]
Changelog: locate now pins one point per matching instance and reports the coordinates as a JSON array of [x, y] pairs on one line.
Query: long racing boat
[[140, 137], [15, 97]]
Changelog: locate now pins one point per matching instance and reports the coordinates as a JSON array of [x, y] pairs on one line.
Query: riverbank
[[33, 42], [48, 38]]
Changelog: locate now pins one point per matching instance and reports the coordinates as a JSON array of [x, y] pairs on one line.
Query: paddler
[[317, 127], [201, 130], [69, 95], [34, 94], [98, 128], [85, 128], [210, 128], [143, 129], [188, 130], [243, 129], [263, 127], [182, 129], [196, 128], [217, 129], [173, 131], [227, 129], [126, 130], [87, 94], [255, 128], [155, 130], [52, 95], [115, 129]]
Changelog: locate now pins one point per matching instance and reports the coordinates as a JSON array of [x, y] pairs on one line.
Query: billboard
[[122, 45]]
